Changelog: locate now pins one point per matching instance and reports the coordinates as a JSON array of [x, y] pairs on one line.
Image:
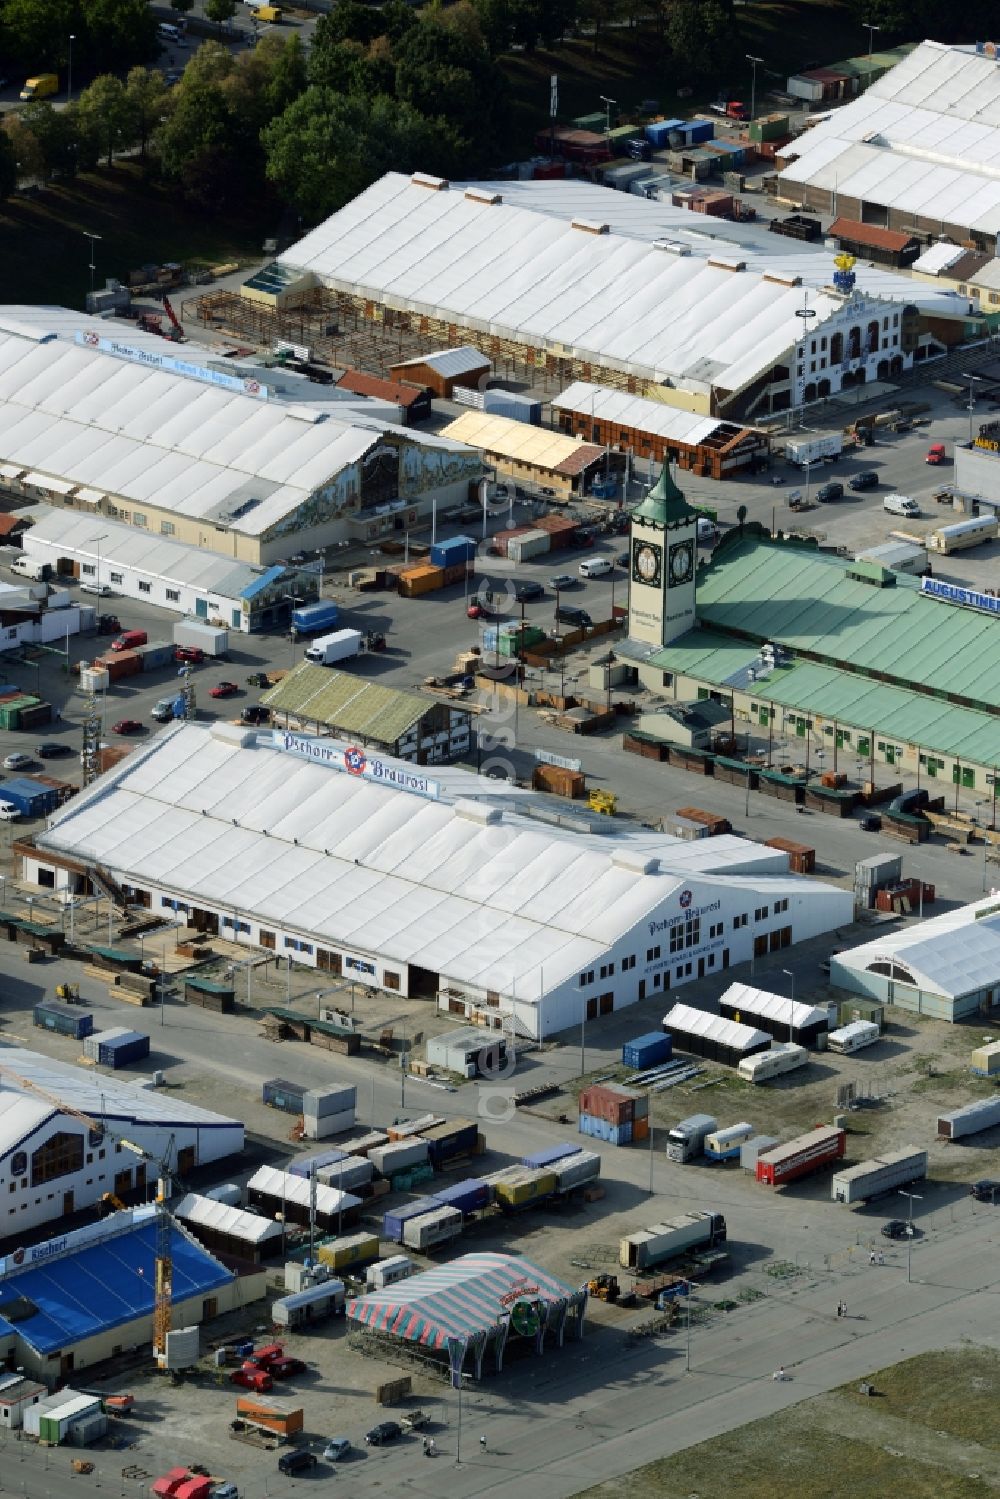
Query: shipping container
[[313, 1304], [286, 1096], [757, 1146], [318, 1103], [448, 1141], [29, 797], [801, 858], [471, 1195], [436, 1227], [531, 544], [602, 1129], [725, 1144], [270, 1414], [348, 1174], [310, 619], [647, 1050], [986, 1060], [394, 1221], [614, 1103], [323, 1127], [548, 1157], [969, 1120], [529, 1189], [65, 1020], [457, 549], [883, 1174], [686, 1141], [686, 1233], [784, 1056], [155, 654], [853, 1037], [574, 1171], [117, 1047], [387, 1272], [367, 1143], [348, 1250], [311, 1163], [399, 1155], [406, 1129], [820, 1147]]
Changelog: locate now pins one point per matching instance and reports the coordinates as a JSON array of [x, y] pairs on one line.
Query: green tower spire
[[665, 505]]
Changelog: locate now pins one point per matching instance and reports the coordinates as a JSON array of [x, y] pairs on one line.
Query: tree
[[702, 39], [8, 166], [28, 160], [38, 31], [598, 13], [182, 7], [441, 71], [105, 106], [58, 138], [496, 25], [350, 21], [220, 11], [147, 98]]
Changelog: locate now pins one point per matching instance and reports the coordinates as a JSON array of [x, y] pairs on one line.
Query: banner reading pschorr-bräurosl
[[355, 762]]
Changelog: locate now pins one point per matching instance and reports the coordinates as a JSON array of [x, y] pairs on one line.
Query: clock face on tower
[[647, 563], [681, 561]]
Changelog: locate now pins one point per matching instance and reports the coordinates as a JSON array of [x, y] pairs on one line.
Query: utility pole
[[753, 61], [913, 1197]]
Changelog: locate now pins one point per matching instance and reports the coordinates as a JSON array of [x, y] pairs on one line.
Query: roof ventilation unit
[[482, 195], [590, 226], [724, 263], [485, 815], [779, 280], [672, 246], [635, 860], [424, 179]]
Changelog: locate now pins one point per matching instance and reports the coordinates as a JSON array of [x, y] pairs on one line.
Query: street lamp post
[[791, 1009], [871, 28], [607, 112], [753, 61], [69, 75], [92, 237], [973, 380], [913, 1197], [97, 543], [691, 1287]]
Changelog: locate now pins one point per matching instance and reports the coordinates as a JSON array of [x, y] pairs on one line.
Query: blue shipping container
[[282, 1095], [29, 797], [551, 1154], [120, 1051], [602, 1129], [66, 1020], [392, 1223], [468, 1196], [646, 1051], [699, 130], [312, 618], [457, 1141], [659, 131], [455, 549], [314, 1162]]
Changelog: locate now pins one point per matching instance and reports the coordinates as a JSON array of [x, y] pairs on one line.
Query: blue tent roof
[[102, 1286], [264, 581]]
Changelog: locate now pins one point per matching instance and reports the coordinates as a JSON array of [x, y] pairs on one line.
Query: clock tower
[[662, 556]]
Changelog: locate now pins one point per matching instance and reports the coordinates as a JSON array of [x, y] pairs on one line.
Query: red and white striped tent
[[473, 1300]]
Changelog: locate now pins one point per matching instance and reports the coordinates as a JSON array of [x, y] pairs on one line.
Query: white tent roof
[[752, 1001], [205, 1212], [85, 415], [938, 258], [513, 272], [607, 405], [480, 893], [923, 140], [713, 1028], [952, 954], [297, 1189], [464, 360]]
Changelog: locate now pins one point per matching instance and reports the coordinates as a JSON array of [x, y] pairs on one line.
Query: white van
[[594, 567], [102, 590], [170, 33], [900, 504]]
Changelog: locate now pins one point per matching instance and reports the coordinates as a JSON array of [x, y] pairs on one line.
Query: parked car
[[897, 1228], [19, 761], [562, 580], [336, 1448], [385, 1431], [192, 653], [163, 710], [126, 726], [258, 1380], [578, 618], [224, 689], [867, 480], [985, 1190], [296, 1462], [256, 713], [525, 592], [871, 823], [102, 590], [285, 1368], [53, 749], [828, 492]]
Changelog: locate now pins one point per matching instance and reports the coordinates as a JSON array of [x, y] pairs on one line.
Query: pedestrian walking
[[871, 1257], [482, 1442], [840, 1308], [881, 1257], [843, 1308]]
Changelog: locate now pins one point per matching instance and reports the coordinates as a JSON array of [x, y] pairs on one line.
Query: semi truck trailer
[[807, 1153], [665, 1241], [871, 1178]]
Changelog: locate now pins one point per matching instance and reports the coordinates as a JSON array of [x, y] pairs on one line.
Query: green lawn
[[629, 64], [46, 255]]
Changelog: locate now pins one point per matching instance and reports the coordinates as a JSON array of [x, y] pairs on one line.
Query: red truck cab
[[263, 1358], [252, 1378], [128, 640], [936, 454]]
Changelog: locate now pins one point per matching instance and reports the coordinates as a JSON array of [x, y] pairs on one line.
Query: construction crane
[[163, 1292]]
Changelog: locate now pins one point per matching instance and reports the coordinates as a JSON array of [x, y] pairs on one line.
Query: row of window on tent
[[684, 934]]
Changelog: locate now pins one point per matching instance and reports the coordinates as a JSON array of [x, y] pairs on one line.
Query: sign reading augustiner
[[354, 761]]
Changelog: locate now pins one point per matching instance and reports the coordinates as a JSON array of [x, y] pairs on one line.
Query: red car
[[476, 611], [252, 1379], [224, 689], [128, 726], [284, 1368], [189, 653]]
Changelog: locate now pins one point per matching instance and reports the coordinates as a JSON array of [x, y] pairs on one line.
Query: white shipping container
[[212, 639], [811, 450], [352, 1172], [531, 544], [782, 1057], [432, 1228], [649, 1246], [751, 1149], [319, 1102], [575, 1170], [322, 1127], [871, 1178], [398, 1156], [43, 1407]]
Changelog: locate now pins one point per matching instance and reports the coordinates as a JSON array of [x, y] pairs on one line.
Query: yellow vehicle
[[268, 13], [40, 87]]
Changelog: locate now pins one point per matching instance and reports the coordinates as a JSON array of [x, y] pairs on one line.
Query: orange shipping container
[[272, 1415]]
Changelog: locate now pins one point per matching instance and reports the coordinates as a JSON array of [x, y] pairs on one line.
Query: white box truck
[[871, 1178], [664, 1241], [212, 639], [780, 1058], [805, 450], [31, 567], [339, 646]]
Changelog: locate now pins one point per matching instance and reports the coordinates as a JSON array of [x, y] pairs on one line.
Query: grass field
[[630, 65], [930, 1433], [46, 255]]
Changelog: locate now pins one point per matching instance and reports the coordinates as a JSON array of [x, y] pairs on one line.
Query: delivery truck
[[314, 619], [213, 640], [806, 1153], [885, 1173], [814, 449], [341, 645], [664, 1241], [686, 1141]]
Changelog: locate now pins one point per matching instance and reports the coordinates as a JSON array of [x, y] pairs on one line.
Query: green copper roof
[[665, 505]]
